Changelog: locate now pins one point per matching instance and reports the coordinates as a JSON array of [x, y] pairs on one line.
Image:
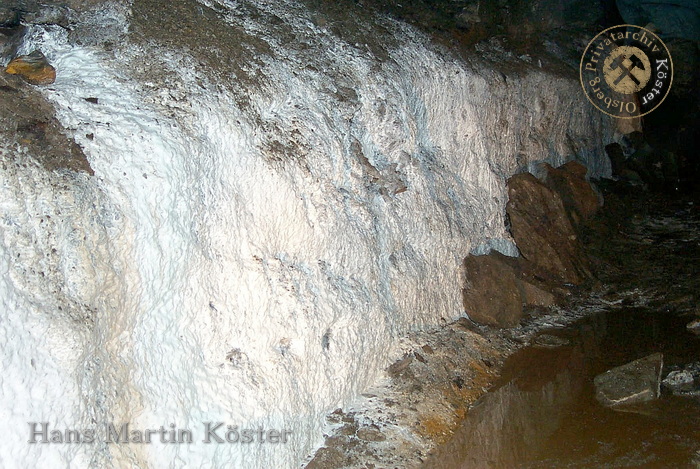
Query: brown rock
[[569, 181], [498, 286], [538, 284], [34, 68], [29, 120], [400, 367], [328, 457], [542, 230], [491, 294], [371, 433], [536, 295]]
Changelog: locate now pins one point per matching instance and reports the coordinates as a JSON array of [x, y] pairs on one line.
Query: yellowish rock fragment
[[34, 68]]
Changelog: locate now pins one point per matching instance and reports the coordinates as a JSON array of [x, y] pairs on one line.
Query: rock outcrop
[[28, 120], [545, 218], [492, 292], [497, 288], [542, 230], [684, 381], [34, 68], [580, 200], [632, 383], [297, 185]]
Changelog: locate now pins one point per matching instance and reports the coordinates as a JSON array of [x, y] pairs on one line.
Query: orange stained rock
[[34, 68]]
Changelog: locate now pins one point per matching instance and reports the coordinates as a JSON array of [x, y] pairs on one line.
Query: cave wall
[[274, 203]]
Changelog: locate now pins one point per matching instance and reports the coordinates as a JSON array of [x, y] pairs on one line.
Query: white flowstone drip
[[253, 266]]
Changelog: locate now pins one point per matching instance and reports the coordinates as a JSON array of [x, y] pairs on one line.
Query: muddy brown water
[[543, 413]]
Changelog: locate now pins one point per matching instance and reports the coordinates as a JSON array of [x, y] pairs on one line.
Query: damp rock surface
[[684, 380], [28, 122], [542, 229], [282, 191], [631, 383], [646, 250], [33, 68], [492, 292]]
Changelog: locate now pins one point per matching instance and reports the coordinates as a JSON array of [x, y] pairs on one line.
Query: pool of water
[[543, 413]]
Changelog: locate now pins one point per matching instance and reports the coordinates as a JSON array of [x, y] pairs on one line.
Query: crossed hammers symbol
[[627, 72]]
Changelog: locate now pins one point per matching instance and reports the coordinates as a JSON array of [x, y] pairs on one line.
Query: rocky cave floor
[[644, 251]]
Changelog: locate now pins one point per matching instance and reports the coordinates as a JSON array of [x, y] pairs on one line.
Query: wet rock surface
[[442, 372], [631, 383], [28, 120], [542, 230], [642, 248], [240, 48], [33, 68], [551, 341], [545, 219], [650, 251], [684, 380], [492, 292], [429, 401]]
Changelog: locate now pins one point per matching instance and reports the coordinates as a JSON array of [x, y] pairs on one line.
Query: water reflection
[[544, 414]]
